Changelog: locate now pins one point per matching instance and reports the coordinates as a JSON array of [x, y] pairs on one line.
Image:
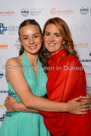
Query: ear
[[20, 40]]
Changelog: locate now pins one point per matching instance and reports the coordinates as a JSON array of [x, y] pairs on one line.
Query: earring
[[64, 45], [63, 42]]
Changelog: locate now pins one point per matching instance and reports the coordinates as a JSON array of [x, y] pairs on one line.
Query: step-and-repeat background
[[77, 14]]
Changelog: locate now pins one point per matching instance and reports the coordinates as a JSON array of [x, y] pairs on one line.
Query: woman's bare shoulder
[[15, 61], [13, 65]]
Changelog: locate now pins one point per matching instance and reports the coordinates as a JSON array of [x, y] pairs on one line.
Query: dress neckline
[[59, 54], [27, 64]]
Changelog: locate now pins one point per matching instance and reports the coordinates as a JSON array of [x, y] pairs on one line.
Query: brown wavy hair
[[41, 52], [66, 35], [25, 23]]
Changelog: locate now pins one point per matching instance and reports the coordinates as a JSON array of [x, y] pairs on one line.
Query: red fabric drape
[[66, 80]]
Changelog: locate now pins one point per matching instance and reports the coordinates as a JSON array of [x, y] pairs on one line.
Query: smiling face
[[30, 38], [53, 40]]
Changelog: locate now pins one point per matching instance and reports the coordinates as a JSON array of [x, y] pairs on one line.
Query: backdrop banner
[[77, 14]]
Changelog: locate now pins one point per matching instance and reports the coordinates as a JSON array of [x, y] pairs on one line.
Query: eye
[[47, 34], [25, 38], [57, 35], [35, 36]]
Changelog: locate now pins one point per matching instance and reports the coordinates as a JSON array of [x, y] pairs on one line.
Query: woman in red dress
[[66, 80]]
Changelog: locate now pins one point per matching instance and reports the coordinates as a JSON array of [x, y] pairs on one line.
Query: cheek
[[45, 39], [23, 43], [39, 42], [60, 42]]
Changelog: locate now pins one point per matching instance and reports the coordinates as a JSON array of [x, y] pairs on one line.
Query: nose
[[31, 40], [51, 38]]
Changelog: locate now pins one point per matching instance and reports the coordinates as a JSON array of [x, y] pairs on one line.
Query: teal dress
[[23, 123]]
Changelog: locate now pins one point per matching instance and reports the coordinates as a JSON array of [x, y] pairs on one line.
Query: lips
[[32, 47], [51, 44]]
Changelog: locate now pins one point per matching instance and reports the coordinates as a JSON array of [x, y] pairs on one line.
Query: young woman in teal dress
[[27, 84]]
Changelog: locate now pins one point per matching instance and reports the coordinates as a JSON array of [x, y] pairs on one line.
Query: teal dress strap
[[33, 81]]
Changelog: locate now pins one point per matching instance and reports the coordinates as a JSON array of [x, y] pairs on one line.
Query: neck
[[33, 58]]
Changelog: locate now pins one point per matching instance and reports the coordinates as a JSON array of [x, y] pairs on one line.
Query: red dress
[[66, 80]]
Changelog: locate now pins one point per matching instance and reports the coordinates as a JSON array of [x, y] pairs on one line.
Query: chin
[[51, 51], [35, 53]]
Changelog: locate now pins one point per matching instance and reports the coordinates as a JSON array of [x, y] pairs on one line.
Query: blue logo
[[2, 117], [3, 28], [84, 10], [25, 12], [88, 88], [1, 74]]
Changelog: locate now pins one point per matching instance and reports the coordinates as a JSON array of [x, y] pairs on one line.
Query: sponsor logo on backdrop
[[84, 10], [85, 60], [10, 29], [81, 45], [2, 106], [33, 12], [36, 12], [54, 11], [81, 27], [89, 91], [4, 91], [88, 74], [3, 28], [17, 45], [2, 117], [7, 13], [2, 74], [24, 12], [90, 54], [3, 46], [86, 65], [89, 87]]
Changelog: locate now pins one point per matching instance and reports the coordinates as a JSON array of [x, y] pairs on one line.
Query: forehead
[[30, 28], [51, 28]]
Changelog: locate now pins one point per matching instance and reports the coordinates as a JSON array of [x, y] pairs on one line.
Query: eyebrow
[[33, 34], [49, 32], [36, 33]]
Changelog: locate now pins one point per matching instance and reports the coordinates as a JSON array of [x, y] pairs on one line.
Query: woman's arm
[[11, 104], [17, 79]]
